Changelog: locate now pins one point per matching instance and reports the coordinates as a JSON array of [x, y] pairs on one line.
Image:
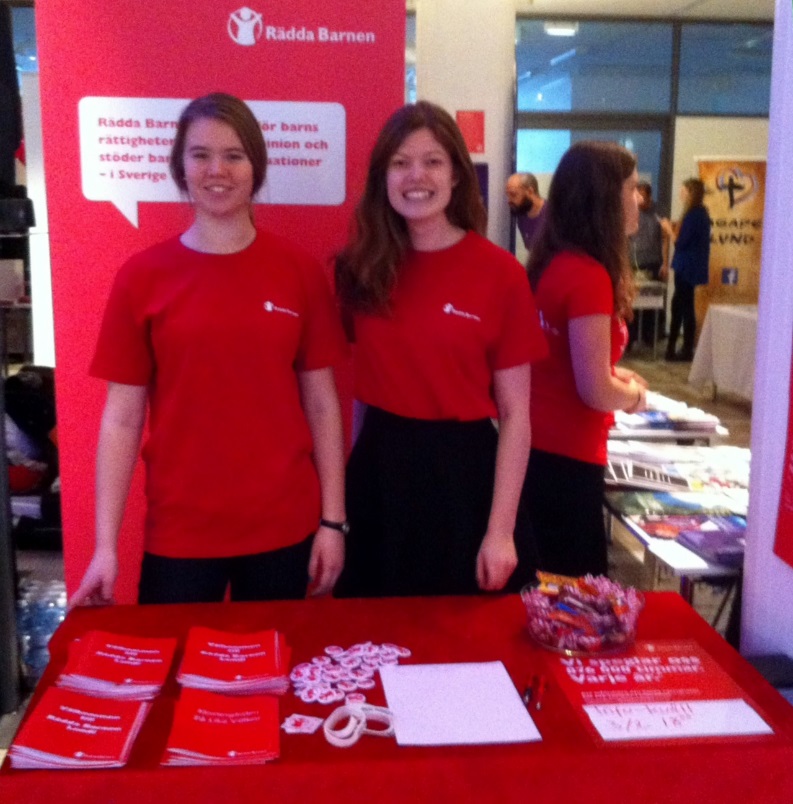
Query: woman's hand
[[638, 391], [626, 375], [496, 561], [326, 561], [97, 585]]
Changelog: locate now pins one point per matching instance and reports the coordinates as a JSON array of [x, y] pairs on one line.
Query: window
[[23, 26], [410, 59], [593, 66], [725, 69]]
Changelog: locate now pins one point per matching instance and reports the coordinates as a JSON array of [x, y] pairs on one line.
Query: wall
[[768, 584], [465, 54], [696, 137]]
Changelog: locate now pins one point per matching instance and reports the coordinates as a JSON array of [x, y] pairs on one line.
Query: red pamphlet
[[211, 729], [117, 665], [71, 730], [236, 664]]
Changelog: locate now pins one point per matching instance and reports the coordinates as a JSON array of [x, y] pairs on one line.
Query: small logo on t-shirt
[[269, 307], [450, 309], [546, 326]]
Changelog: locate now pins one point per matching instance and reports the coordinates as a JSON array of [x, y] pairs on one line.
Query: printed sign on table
[[660, 690]]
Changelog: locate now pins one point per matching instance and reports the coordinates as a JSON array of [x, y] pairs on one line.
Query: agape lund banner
[[321, 79]]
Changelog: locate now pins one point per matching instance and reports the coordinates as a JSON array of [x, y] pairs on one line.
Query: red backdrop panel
[[338, 51]]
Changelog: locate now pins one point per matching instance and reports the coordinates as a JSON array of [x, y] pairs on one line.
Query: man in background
[[649, 246], [523, 197], [649, 255]]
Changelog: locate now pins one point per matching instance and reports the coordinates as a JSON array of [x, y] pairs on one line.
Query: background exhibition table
[[568, 765], [725, 351]]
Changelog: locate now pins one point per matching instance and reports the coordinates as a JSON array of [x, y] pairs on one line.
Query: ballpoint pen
[[538, 692]]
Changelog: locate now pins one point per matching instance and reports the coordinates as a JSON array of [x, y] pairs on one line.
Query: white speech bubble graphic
[[125, 144]]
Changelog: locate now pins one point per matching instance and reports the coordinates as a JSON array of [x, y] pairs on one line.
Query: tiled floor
[[666, 378]]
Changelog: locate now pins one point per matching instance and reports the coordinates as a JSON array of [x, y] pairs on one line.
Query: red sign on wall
[[472, 125], [321, 79]]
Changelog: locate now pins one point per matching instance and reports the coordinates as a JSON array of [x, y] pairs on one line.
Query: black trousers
[[564, 498], [418, 502], [682, 314], [275, 575]]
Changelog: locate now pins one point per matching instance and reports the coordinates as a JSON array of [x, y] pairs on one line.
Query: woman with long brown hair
[[581, 277], [444, 329], [691, 237]]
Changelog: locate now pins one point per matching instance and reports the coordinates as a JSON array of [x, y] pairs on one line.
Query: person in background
[[227, 335], [528, 207], [649, 253], [691, 237], [444, 329], [582, 280]]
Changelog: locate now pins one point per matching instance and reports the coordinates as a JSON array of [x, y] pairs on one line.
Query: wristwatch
[[342, 527]]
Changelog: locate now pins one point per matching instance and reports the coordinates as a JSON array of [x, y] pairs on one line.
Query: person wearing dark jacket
[[690, 263]]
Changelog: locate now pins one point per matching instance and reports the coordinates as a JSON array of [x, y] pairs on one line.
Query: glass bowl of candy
[[588, 616]]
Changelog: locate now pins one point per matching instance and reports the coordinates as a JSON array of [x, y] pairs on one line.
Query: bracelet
[[638, 401], [357, 717]]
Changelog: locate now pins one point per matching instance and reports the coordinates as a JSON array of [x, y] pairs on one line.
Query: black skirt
[[418, 502], [564, 498]]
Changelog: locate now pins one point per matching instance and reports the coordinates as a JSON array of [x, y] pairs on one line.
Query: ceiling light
[[561, 28]]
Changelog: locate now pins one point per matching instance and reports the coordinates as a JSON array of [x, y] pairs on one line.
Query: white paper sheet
[[456, 704], [676, 719]]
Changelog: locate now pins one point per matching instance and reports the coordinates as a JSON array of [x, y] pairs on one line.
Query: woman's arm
[[116, 455], [497, 557], [590, 352], [323, 414]]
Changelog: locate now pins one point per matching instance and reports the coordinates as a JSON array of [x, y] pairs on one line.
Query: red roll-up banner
[[321, 78]]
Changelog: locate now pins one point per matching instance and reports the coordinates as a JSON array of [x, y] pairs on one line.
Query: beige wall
[[465, 59]]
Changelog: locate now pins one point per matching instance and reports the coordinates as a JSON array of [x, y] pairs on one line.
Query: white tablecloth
[[725, 352]]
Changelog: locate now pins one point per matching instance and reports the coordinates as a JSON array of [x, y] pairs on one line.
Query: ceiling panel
[[711, 9]]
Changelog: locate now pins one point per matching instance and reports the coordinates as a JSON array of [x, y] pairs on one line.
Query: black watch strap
[[342, 527]]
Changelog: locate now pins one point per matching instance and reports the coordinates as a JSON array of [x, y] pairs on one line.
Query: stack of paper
[[235, 664], [211, 729], [456, 704], [70, 730], [117, 666]]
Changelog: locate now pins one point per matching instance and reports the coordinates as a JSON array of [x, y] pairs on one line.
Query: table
[[689, 429], [725, 352], [679, 560], [650, 295], [566, 766]]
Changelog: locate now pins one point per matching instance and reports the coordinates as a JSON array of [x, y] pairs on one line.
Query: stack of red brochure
[[210, 729], [70, 730], [117, 665], [235, 664]]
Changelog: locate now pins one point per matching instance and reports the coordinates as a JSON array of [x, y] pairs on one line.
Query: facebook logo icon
[[729, 276]]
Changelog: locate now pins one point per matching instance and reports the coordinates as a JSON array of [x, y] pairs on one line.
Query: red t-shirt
[[456, 316], [218, 339], [572, 286]]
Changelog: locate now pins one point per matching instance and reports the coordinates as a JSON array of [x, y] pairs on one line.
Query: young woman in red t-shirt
[[226, 336], [582, 282], [444, 328]]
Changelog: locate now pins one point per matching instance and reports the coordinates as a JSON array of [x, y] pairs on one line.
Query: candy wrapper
[[581, 616]]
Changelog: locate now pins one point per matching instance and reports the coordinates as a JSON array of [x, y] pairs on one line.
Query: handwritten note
[[648, 721]]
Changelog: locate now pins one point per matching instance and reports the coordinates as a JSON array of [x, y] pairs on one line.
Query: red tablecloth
[[566, 766]]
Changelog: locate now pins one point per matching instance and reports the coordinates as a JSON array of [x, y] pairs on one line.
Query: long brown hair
[[584, 213], [696, 194], [234, 113], [367, 268]]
